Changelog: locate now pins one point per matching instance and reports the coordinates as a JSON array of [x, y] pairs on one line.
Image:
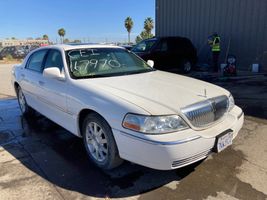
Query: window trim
[[46, 56], [42, 65]]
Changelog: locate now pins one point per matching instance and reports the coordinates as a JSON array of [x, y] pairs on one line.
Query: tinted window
[[54, 59], [36, 60], [144, 46], [163, 46]]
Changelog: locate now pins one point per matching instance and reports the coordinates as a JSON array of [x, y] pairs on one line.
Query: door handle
[[41, 82]]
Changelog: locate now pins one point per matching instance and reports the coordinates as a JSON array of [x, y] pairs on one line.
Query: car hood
[[156, 92]]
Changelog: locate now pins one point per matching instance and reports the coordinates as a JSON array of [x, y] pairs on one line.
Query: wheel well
[[83, 113]]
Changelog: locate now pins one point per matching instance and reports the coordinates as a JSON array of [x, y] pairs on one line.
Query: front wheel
[[186, 66], [99, 142]]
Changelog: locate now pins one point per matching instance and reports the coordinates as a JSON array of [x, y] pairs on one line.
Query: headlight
[[154, 124], [231, 103]]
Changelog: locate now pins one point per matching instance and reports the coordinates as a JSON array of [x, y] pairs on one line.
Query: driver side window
[[54, 59]]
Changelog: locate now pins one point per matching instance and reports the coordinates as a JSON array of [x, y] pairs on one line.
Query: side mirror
[[54, 73], [150, 63]]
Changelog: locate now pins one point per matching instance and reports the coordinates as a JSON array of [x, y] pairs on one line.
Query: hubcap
[[22, 102], [96, 141]]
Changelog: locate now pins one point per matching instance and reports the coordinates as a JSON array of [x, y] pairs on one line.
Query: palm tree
[[128, 23], [61, 33], [148, 25], [45, 37]]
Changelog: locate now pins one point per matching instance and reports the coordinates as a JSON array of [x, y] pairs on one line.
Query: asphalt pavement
[[40, 160]]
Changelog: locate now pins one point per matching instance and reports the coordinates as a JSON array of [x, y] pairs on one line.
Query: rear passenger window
[[54, 59], [36, 60]]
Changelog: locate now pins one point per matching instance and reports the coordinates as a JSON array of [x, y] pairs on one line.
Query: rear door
[[30, 77]]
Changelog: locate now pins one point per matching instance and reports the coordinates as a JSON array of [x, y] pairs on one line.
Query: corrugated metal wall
[[242, 23]]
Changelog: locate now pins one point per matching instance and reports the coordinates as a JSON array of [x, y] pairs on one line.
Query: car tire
[[186, 66], [99, 142], [26, 110]]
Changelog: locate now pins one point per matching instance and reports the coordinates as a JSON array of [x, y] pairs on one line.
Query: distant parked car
[[168, 53], [125, 109], [14, 51]]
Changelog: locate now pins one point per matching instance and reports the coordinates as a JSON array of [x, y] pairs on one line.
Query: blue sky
[[88, 20]]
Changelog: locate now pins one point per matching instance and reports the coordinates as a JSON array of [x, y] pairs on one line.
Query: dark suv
[[168, 53]]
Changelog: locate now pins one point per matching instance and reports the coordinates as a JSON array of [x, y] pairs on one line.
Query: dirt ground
[[40, 160]]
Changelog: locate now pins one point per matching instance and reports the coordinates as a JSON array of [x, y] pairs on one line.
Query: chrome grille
[[206, 112], [192, 159]]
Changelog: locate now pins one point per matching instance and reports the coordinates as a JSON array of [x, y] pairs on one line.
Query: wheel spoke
[[102, 156], [91, 129], [102, 140], [97, 154], [89, 140], [102, 148], [99, 133], [95, 128]]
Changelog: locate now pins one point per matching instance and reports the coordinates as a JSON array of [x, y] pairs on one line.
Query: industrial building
[[241, 24]]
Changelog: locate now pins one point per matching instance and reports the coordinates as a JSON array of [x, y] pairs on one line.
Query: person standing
[[215, 44]]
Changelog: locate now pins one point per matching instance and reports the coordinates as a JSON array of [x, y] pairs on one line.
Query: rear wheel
[[24, 107], [186, 66], [99, 142]]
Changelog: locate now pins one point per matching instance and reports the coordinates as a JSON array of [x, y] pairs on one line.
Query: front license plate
[[224, 140]]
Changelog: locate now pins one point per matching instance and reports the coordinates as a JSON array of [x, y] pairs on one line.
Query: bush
[[9, 57]]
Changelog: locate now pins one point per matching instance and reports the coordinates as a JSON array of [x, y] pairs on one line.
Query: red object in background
[[43, 45], [230, 69]]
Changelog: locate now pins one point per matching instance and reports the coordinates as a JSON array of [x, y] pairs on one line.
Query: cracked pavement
[[40, 160]]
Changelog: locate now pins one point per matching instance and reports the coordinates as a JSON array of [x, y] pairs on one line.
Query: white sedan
[[125, 109]]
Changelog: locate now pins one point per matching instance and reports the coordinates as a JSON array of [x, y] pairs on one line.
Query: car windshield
[[144, 46], [103, 62]]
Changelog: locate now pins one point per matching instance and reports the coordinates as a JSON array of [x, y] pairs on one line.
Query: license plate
[[223, 140]]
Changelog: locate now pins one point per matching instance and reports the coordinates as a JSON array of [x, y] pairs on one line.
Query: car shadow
[[59, 157]]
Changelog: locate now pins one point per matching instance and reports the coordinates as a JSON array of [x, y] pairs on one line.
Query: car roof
[[67, 47]]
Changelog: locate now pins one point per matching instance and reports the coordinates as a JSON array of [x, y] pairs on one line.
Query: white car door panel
[[30, 75], [52, 93]]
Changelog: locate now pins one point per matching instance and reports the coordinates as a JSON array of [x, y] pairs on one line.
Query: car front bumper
[[174, 150]]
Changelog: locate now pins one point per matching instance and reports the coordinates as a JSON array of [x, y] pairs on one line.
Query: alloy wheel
[[96, 140], [22, 101]]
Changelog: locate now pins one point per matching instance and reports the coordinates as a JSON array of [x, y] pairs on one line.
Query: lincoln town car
[[123, 108]]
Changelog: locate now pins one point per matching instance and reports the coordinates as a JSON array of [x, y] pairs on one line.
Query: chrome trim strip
[[154, 142], [49, 103]]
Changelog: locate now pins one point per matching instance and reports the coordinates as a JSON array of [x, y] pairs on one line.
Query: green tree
[[61, 33], [146, 33], [13, 38], [138, 39], [128, 23], [148, 25], [143, 35], [45, 37]]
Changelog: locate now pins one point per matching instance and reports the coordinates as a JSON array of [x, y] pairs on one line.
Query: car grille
[[192, 159], [206, 112]]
